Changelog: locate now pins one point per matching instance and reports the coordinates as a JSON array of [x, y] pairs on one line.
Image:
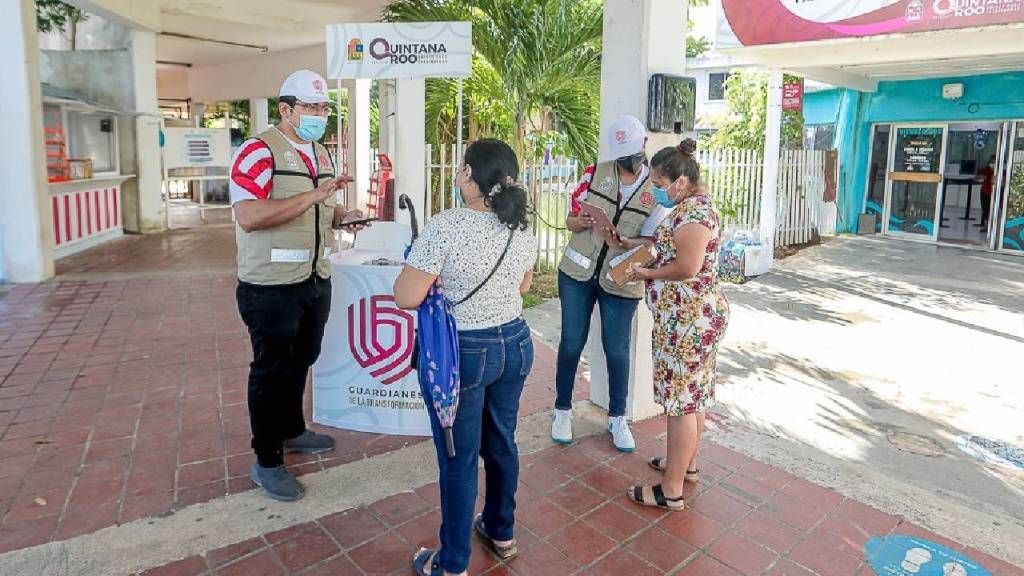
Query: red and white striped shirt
[[252, 169]]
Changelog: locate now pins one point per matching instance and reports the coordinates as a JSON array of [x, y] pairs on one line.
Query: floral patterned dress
[[690, 316]]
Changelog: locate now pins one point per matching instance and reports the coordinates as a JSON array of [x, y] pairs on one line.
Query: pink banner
[[758, 22]]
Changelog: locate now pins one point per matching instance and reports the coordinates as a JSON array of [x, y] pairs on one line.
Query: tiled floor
[[746, 519], [122, 395], [122, 399]]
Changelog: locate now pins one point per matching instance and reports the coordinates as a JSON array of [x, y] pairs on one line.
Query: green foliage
[[746, 93], [696, 45], [537, 64], [1015, 200], [56, 15], [554, 140]]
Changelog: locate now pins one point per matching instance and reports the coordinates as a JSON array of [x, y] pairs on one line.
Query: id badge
[[286, 255], [577, 258]]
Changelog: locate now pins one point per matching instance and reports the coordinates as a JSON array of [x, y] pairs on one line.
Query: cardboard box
[[618, 267], [867, 223]]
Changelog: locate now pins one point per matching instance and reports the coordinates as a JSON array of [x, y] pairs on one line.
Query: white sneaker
[[621, 436], [561, 426]]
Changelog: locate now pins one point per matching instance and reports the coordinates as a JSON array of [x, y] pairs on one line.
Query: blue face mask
[[661, 197], [311, 128]]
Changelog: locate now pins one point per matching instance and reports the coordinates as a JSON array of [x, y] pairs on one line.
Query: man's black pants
[[286, 324]]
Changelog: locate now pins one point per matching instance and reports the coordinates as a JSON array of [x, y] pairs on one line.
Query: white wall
[[172, 84], [144, 14], [103, 76], [700, 69], [257, 77], [24, 208]]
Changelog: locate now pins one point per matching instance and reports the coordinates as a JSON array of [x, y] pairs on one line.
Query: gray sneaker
[[278, 482], [309, 442]]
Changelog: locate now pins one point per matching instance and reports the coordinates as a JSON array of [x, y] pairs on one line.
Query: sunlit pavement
[[124, 435]]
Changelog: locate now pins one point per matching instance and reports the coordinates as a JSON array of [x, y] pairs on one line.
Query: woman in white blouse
[[462, 246]]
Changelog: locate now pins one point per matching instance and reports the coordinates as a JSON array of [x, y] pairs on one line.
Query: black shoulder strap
[[493, 270]]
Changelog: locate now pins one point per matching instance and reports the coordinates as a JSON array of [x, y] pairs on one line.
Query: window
[[819, 136], [716, 85], [93, 136]]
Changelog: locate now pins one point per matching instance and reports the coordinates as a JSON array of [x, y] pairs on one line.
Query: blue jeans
[[578, 299], [493, 365]]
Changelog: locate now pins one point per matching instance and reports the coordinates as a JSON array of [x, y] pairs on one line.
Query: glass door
[[878, 170], [915, 178], [1011, 197]]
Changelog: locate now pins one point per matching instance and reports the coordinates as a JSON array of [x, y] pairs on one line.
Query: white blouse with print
[[462, 245]]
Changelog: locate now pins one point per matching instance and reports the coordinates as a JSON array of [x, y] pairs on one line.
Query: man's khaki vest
[[587, 253], [294, 251]]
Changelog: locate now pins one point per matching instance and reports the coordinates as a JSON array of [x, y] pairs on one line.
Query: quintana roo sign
[[759, 22], [363, 380], [399, 50]]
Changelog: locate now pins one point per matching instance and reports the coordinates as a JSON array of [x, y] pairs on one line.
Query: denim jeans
[[286, 325], [493, 365], [578, 299]]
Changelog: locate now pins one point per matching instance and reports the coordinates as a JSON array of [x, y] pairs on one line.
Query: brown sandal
[[636, 494], [658, 463], [504, 552]]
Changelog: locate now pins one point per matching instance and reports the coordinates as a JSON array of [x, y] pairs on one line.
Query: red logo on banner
[[380, 337]]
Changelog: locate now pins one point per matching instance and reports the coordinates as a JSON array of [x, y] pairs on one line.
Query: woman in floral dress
[[690, 317]]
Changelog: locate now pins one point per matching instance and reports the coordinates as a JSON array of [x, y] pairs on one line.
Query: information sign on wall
[[793, 96], [196, 147], [918, 150]]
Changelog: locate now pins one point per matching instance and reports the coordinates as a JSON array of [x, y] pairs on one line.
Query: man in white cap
[[621, 188], [283, 188]]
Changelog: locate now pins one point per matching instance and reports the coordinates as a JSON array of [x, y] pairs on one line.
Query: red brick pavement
[[745, 519], [122, 399], [125, 399]]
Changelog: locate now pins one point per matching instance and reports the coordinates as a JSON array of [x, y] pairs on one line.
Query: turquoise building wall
[[986, 97]]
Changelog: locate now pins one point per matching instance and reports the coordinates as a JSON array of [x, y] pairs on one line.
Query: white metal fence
[[733, 177]]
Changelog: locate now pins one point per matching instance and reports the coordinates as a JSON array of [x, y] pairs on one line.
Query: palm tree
[[537, 65]]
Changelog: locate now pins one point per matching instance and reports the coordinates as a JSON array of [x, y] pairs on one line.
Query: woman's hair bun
[[688, 146]]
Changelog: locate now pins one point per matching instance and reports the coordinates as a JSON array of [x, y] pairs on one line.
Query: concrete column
[[408, 129], [358, 141], [259, 115], [196, 112], [853, 140], [386, 126], [649, 37], [143, 193], [772, 149], [26, 231]]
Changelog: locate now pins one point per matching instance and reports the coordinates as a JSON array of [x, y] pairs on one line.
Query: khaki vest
[[587, 253], [294, 251]]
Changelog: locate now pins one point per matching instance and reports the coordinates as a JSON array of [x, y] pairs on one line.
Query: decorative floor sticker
[[900, 555], [997, 452]]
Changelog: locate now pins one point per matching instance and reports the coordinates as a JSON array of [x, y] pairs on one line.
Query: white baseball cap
[[307, 86], [626, 136]]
